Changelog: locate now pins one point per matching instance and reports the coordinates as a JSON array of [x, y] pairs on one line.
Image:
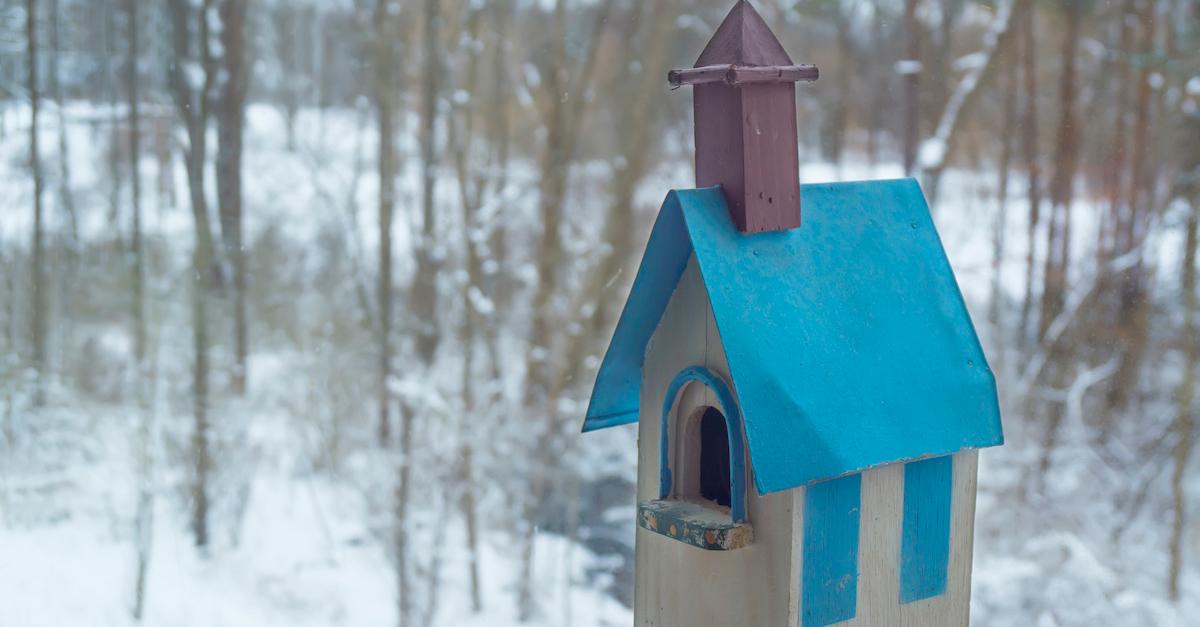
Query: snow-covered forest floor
[[302, 538]]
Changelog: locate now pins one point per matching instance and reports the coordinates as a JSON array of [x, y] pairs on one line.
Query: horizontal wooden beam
[[743, 75]]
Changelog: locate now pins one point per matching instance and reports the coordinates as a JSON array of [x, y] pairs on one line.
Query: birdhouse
[[810, 394]]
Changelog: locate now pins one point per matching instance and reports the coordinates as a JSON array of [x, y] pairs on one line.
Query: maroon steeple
[[745, 110]]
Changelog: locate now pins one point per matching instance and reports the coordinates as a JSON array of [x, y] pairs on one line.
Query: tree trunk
[[1058, 235], [878, 89], [1110, 246], [998, 230], [65, 196], [202, 462], [1184, 418], [11, 364], [942, 58], [231, 119], [470, 508], [286, 44], [1111, 240], [839, 117], [1133, 285], [476, 322], [385, 88], [144, 516], [40, 307], [1185, 398], [423, 300], [137, 271], [193, 107], [1029, 145], [423, 293], [911, 131]]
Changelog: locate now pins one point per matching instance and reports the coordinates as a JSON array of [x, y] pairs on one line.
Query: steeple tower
[[745, 116]]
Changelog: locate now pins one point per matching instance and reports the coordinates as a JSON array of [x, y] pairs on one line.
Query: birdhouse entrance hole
[[714, 457], [701, 457], [702, 494]]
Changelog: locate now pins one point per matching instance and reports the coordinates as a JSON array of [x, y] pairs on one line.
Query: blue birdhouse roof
[[847, 339]]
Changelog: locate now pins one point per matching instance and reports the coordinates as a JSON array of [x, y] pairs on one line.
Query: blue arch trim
[[733, 425]]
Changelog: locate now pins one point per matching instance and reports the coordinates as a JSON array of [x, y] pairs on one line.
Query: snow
[[312, 548], [304, 560], [905, 67], [931, 153]]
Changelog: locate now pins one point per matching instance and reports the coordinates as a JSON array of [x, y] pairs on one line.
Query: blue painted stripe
[[925, 539], [830, 579], [733, 425]]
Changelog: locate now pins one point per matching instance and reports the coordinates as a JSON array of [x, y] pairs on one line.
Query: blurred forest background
[[300, 300]]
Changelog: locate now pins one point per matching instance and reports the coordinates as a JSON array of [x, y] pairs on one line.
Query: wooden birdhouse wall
[[677, 584], [878, 600], [764, 583]]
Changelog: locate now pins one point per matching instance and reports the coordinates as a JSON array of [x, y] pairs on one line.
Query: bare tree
[[911, 121], [837, 122], [287, 50], [40, 307], [231, 121], [1184, 426], [144, 516], [65, 195], [1185, 397], [1033, 168], [474, 183], [1066, 156], [1006, 153], [1058, 233], [942, 57], [1116, 174], [880, 83], [422, 298], [385, 51], [137, 252], [1133, 310], [190, 35]]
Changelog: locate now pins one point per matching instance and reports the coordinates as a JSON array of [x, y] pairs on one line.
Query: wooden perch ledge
[[741, 75]]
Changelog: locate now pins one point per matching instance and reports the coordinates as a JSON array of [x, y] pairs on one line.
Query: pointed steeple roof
[[743, 39]]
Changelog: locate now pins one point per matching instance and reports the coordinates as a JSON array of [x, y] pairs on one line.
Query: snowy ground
[[304, 556], [287, 572]]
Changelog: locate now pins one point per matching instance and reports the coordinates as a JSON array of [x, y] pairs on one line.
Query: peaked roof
[[848, 342], [743, 38]]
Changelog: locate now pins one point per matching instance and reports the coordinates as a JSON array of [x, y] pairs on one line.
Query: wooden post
[[745, 115]]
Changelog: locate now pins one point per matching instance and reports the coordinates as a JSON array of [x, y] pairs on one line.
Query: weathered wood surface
[[745, 116], [743, 38], [701, 525], [738, 75]]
